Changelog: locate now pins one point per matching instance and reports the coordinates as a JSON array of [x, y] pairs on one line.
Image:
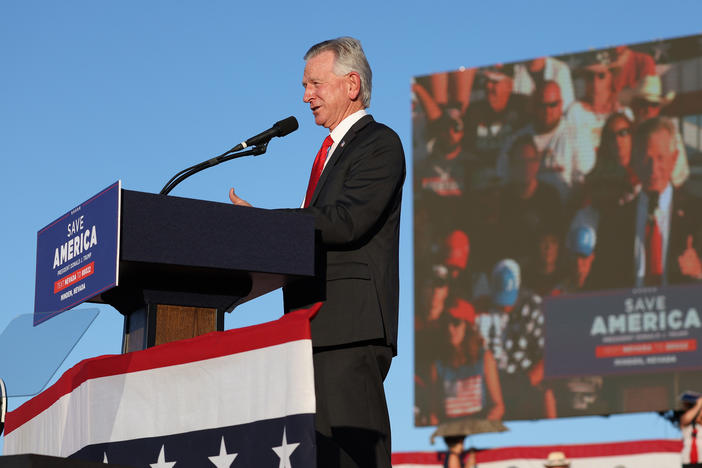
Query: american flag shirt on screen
[[463, 387]]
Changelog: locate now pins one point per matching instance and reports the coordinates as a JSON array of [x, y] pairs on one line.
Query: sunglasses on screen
[[645, 103], [598, 75], [550, 105]]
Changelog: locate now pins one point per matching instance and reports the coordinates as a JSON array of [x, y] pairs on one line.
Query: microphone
[[259, 143], [279, 129]]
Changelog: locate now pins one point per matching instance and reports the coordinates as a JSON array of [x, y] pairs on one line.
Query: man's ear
[[354, 85]]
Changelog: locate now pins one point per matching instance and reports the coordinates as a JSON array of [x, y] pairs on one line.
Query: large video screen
[[558, 234]]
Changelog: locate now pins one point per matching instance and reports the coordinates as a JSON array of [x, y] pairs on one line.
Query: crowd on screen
[[523, 190]]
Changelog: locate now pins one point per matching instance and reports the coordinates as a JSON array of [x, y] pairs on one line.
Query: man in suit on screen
[[656, 238], [354, 193]]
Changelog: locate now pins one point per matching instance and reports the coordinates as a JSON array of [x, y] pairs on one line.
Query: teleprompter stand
[[185, 262]]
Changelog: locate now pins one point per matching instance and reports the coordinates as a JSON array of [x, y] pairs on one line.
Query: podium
[[183, 263]]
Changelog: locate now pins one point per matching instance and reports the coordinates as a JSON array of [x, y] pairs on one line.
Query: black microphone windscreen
[[286, 126]]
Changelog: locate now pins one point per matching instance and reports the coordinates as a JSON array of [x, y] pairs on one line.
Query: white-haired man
[[656, 238], [354, 193]]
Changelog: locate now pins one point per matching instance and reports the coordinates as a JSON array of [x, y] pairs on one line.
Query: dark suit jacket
[[356, 205], [614, 265]]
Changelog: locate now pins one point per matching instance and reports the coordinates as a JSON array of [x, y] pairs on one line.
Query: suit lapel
[[338, 153], [677, 235]]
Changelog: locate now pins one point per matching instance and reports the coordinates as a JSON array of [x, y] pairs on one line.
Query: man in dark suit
[[656, 238], [356, 203]]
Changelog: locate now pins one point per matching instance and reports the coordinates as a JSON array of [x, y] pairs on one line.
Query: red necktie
[[654, 253], [317, 168], [694, 456]]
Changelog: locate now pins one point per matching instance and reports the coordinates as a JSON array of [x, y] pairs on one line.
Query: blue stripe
[[253, 443]]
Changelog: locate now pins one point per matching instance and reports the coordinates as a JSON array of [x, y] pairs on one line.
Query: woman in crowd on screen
[[464, 376]]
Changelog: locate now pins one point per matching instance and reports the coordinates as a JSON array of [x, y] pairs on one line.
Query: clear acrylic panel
[[30, 356]]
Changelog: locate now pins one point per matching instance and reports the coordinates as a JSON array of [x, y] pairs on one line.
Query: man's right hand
[[689, 262], [236, 200]]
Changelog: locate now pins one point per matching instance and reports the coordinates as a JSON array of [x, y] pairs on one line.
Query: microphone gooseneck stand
[[226, 156]]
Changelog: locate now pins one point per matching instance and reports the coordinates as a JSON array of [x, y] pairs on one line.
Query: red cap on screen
[[458, 247]]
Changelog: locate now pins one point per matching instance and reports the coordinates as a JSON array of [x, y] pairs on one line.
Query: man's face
[[537, 64], [449, 137], [655, 164], [498, 92], [598, 83], [583, 264], [457, 331], [329, 95], [644, 110], [548, 249], [455, 131], [622, 141], [548, 107], [524, 165]]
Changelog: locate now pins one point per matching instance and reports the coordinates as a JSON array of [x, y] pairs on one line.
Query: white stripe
[[261, 384], [642, 460]]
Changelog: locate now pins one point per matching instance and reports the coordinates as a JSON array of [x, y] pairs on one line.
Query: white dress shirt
[[337, 135], [340, 131]]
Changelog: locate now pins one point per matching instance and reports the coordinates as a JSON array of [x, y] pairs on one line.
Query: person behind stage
[[510, 321], [601, 97], [580, 253], [565, 151], [464, 377], [632, 66], [557, 460], [441, 178], [356, 206], [446, 289], [532, 74], [689, 422], [613, 181], [647, 102], [527, 203], [491, 122]]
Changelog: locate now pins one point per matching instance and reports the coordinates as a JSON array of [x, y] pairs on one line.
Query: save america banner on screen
[[558, 234], [624, 332]]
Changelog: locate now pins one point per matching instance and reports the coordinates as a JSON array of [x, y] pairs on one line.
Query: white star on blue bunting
[[224, 459], [284, 451], [161, 462]]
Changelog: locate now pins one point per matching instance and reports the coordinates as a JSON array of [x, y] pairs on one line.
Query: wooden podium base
[[155, 324]]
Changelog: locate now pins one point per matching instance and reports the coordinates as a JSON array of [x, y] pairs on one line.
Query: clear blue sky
[[95, 91]]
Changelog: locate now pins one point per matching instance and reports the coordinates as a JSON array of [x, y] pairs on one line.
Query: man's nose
[[307, 95]]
